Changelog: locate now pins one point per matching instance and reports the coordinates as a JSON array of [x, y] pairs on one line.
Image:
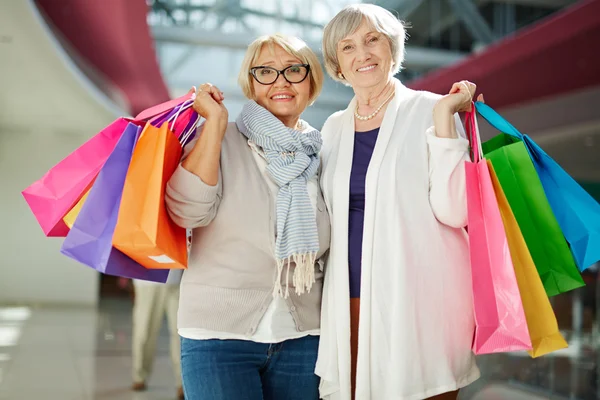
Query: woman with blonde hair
[[250, 300], [397, 320]]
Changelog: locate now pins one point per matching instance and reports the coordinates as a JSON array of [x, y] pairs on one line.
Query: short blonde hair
[[347, 21], [295, 47]]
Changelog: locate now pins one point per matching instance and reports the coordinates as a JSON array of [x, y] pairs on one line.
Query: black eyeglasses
[[293, 74]]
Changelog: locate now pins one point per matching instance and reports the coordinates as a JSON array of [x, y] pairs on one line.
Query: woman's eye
[[347, 47], [373, 39]]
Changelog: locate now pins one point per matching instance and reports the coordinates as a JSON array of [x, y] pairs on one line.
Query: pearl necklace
[[374, 113]]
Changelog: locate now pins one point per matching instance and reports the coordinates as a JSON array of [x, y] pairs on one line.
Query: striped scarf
[[292, 160]]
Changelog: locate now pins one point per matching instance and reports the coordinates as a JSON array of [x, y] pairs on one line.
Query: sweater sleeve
[[447, 181], [192, 203]]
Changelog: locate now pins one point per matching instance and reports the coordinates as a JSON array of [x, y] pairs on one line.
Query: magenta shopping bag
[[500, 324], [52, 197], [90, 239]]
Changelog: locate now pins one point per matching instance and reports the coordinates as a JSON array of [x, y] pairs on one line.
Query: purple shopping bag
[[90, 239]]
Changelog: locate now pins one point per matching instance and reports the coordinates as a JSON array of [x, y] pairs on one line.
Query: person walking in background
[[151, 302]]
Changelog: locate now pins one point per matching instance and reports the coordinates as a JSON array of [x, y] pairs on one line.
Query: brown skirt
[[354, 315]]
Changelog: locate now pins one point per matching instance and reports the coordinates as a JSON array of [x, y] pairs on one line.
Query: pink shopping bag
[[54, 195], [51, 197], [500, 323]]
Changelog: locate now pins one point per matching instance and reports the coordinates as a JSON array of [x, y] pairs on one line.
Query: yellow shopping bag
[[543, 328], [69, 219]]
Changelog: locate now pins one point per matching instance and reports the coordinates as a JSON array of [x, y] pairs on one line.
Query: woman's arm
[[448, 149], [447, 187], [194, 191]]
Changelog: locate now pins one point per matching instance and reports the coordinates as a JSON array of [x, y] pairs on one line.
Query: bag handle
[[183, 123], [164, 107], [187, 136], [158, 120], [172, 115], [183, 107], [496, 120], [473, 133], [191, 125]]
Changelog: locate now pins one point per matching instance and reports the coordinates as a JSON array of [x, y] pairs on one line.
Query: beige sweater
[[232, 268]]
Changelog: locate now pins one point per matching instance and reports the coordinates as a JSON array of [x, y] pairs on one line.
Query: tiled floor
[[75, 354], [84, 354]]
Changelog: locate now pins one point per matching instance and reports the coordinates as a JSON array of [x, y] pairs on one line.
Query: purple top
[[364, 143]]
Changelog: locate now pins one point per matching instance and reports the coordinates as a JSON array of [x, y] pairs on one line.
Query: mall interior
[[68, 68]]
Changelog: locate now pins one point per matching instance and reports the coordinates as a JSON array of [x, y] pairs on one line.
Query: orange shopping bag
[[144, 231]]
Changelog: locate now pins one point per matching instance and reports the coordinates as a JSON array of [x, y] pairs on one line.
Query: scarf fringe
[[303, 277]]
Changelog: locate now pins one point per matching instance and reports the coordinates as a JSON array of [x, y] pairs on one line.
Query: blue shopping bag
[[576, 211]]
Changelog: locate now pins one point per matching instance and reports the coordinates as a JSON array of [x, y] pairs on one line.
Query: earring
[[341, 76]]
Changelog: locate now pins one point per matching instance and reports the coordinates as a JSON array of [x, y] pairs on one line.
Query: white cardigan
[[416, 314]]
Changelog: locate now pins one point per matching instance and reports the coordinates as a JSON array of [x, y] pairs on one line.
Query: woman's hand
[[205, 157], [209, 103], [458, 99]]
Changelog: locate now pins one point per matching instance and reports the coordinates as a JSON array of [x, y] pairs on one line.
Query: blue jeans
[[245, 370]]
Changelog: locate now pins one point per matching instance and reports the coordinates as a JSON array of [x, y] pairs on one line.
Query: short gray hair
[[295, 47], [349, 20]]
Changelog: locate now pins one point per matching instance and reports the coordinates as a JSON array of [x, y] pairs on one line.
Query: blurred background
[[70, 67]]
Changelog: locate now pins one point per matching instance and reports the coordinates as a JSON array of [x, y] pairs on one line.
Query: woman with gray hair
[[249, 308], [394, 183]]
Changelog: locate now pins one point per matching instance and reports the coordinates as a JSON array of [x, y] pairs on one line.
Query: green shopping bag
[[523, 188]]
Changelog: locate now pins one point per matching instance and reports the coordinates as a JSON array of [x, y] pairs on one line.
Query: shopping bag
[[183, 124], [577, 213], [541, 321], [69, 219], [51, 197], [500, 323], [90, 239], [152, 113], [144, 231], [525, 194]]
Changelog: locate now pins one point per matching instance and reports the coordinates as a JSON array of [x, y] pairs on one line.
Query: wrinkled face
[[285, 100], [365, 57]]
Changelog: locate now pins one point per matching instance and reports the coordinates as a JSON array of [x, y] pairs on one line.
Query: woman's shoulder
[[233, 139], [232, 128], [426, 96], [332, 121], [232, 132], [422, 102]]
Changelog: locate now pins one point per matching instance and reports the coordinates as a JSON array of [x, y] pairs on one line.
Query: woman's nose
[[281, 81]]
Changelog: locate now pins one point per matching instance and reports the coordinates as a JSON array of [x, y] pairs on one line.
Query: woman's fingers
[[455, 88], [211, 90]]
